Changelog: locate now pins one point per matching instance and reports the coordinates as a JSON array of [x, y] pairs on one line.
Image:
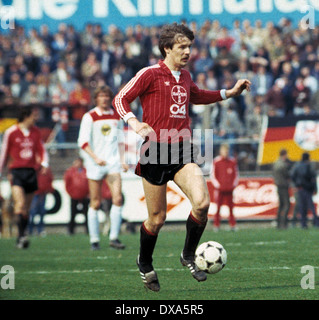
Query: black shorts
[[160, 162], [25, 178]]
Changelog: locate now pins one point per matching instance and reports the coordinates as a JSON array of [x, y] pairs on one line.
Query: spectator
[[76, 185], [45, 179], [17, 87], [90, 67], [301, 95], [224, 39], [254, 123], [107, 60], [276, 98], [307, 111], [224, 178], [261, 82], [309, 80], [46, 35], [58, 94], [230, 127], [203, 63], [260, 58], [61, 119], [281, 169], [304, 179], [58, 45], [79, 99], [60, 74], [33, 96], [225, 59]]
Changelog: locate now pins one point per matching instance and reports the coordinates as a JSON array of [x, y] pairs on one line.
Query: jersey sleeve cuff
[[223, 94], [45, 164], [128, 116], [84, 145]]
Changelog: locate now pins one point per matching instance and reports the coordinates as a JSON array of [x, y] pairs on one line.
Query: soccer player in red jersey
[[22, 151], [225, 179], [165, 91]]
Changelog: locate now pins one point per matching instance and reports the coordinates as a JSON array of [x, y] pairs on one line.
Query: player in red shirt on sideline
[[22, 150], [77, 187], [165, 91], [224, 178]]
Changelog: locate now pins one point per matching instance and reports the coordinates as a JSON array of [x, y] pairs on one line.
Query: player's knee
[[95, 204], [201, 207], [19, 208], [157, 221], [117, 200]]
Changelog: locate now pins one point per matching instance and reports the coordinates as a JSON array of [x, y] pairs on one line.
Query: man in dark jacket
[[304, 178], [281, 176]]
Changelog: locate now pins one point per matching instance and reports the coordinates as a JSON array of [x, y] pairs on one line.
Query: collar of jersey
[[100, 113], [166, 69]]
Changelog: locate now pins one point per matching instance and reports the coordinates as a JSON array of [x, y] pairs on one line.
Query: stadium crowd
[[64, 67]]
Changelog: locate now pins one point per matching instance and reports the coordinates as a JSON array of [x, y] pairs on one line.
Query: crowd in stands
[[65, 66]]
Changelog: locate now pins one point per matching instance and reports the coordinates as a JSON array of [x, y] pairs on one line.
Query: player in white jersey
[[101, 139]]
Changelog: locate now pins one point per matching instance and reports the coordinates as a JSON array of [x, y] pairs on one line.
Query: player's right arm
[[4, 153], [84, 139], [132, 90], [141, 128]]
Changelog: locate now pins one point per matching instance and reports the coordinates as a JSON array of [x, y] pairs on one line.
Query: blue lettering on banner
[[33, 13]]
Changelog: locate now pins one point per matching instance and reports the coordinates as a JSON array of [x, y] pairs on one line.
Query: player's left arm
[[239, 87], [42, 153], [200, 96]]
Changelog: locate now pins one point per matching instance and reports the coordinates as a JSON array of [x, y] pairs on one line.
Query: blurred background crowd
[[63, 68]]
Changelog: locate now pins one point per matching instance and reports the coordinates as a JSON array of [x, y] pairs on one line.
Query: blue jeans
[[37, 208], [305, 203]]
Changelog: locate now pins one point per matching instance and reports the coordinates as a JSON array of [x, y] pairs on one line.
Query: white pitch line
[[258, 243], [64, 271], [40, 272]]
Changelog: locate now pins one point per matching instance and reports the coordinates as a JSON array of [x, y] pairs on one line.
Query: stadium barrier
[[255, 199]]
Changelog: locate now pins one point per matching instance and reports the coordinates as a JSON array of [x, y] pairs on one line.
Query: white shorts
[[96, 172]]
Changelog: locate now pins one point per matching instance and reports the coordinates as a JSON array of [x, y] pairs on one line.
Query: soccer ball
[[210, 257]]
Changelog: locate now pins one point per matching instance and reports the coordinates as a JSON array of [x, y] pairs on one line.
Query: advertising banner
[[124, 13], [255, 198]]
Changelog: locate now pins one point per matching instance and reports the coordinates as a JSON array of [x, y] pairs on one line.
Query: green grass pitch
[[263, 264]]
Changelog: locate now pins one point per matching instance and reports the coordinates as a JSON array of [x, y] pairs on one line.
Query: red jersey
[[165, 101], [22, 149], [224, 173], [76, 183]]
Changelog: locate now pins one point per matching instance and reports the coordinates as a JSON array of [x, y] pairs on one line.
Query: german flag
[[296, 134]]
